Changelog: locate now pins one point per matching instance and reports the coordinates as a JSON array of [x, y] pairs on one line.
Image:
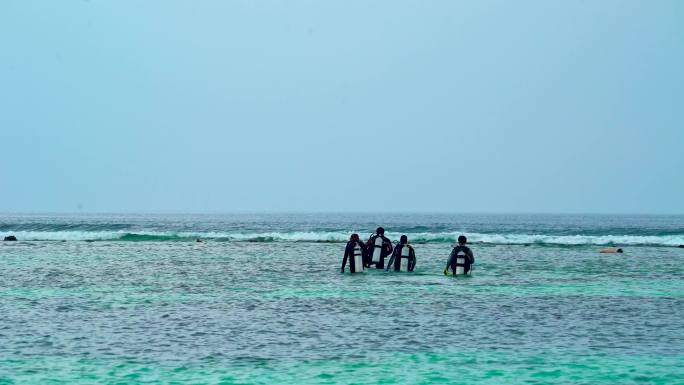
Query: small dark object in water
[[198, 240], [10, 238], [610, 250], [681, 246]]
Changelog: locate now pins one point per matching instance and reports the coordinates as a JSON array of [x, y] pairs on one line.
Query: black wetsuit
[[349, 253], [468, 260], [386, 250], [396, 257]]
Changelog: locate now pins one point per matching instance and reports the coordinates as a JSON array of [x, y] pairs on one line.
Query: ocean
[[135, 299]]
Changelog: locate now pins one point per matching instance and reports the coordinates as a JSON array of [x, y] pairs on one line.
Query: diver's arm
[[365, 257], [390, 247], [370, 242], [451, 257], [471, 257], [412, 259], [391, 261], [344, 260]]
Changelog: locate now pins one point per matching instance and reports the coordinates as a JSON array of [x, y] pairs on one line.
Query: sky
[[163, 106]]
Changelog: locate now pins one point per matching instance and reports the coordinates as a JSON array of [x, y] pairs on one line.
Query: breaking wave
[[343, 236]]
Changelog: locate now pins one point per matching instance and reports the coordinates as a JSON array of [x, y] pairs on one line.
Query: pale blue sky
[[439, 106]]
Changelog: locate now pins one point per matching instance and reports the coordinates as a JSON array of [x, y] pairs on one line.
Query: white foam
[[66, 235], [665, 240], [343, 236]]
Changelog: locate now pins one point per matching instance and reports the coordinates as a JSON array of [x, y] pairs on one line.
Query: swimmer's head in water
[[619, 250], [403, 239], [380, 231], [462, 239]]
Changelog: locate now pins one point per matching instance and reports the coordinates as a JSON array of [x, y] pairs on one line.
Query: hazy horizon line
[[286, 212]]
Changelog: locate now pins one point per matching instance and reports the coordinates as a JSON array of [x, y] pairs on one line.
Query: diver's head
[[380, 231], [354, 237], [403, 239], [462, 240]]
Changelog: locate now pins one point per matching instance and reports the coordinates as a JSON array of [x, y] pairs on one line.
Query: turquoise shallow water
[[277, 310]]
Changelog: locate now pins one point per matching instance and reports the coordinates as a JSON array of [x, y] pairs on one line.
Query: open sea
[[134, 299]]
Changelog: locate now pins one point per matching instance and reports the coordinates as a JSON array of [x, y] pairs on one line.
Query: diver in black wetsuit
[[402, 250], [354, 249], [385, 248], [460, 251]]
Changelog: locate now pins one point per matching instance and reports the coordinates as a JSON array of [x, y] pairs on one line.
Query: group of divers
[[402, 256]]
